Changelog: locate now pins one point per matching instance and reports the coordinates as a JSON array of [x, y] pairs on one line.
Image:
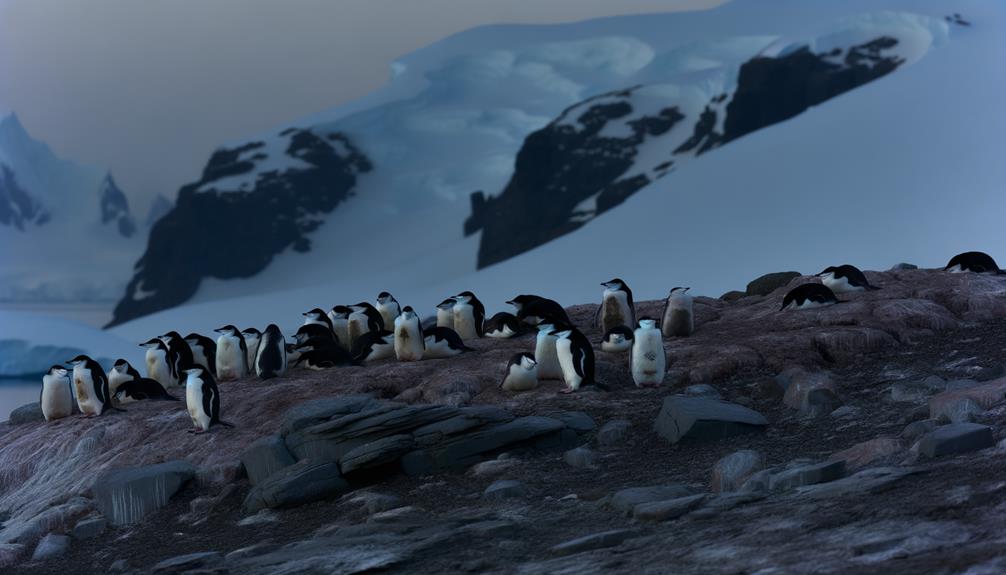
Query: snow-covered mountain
[[696, 149], [66, 230]]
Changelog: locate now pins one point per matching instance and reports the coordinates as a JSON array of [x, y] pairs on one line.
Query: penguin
[[576, 357], [617, 307], [314, 335], [469, 315], [202, 399], [677, 319], [502, 326], [204, 351], [91, 385], [252, 337], [292, 354], [844, 279], [374, 346], [441, 342], [409, 341], [532, 309], [340, 325], [521, 373], [156, 360], [388, 307], [142, 388], [319, 358], [121, 373], [179, 356], [445, 313], [648, 358], [809, 295], [318, 317], [545, 354], [232, 354], [364, 319], [978, 262], [56, 397], [618, 339], [270, 359]]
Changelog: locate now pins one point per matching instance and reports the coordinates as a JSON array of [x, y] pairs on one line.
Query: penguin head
[[194, 370], [273, 330], [546, 327], [464, 297], [341, 311], [614, 285], [79, 360], [385, 298], [618, 334], [171, 335], [251, 332], [315, 313], [522, 300], [647, 323], [362, 306], [227, 330], [152, 343], [447, 303], [679, 290], [121, 366], [408, 312], [58, 371], [527, 361], [192, 338]]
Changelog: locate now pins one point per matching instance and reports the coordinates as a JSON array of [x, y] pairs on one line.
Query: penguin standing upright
[[270, 360], [545, 354], [469, 315], [441, 342], [91, 385], [204, 351], [648, 360], [445, 313], [364, 319], [409, 341], [56, 398], [617, 307], [677, 319], [202, 399], [318, 317], [252, 337], [232, 354], [340, 325], [121, 373], [845, 278], [388, 307], [156, 360], [521, 373], [576, 357], [179, 356]]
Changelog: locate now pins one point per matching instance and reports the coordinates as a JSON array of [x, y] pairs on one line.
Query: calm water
[[16, 392]]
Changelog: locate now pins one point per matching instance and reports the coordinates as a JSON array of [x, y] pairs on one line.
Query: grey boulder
[[304, 482], [265, 457], [702, 418], [956, 438]]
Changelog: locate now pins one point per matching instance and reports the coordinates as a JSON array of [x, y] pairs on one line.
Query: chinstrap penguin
[[502, 326], [807, 296], [318, 317], [533, 310], [252, 336], [678, 317], [179, 356], [121, 373], [270, 360], [977, 262], [364, 319], [388, 307], [202, 399], [445, 313], [521, 373], [91, 386], [339, 315], [156, 359], [441, 342], [576, 357], [544, 353], [232, 354], [469, 315], [648, 359], [374, 346], [617, 307], [617, 339], [56, 397], [409, 345], [845, 278], [204, 351], [140, 389]]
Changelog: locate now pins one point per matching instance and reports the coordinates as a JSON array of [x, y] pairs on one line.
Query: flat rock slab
[[872, 480], [807, 475], [956, 438], [627, 499], [667, 510], [52, 545], [125, 496], [505, 489], [733, 470], [303, 482], [30, 413], [868, 452], [702, 418], [601, 540], [89, 528], [984, 396], [376, 453], [191, 562], [265, 457]]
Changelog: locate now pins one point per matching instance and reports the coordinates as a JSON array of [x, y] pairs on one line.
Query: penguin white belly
[[381, 351], [357, 325], [439, 349], [198, 357], [408, 341], [956, 269], [340, 327], [445, 318], [615, 310], [648, 360], [252, 346], [57, 401], [464, 321], [194, 404], [389, 314], [563, 349], [808, 304], [115, 379], [504, 333], [230, 359], [157, 367], [840, 285], [520, 379], [86, 399], [545, 355], [614, 346]]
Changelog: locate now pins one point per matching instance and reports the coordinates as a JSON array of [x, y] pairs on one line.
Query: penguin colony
[[364, 333]]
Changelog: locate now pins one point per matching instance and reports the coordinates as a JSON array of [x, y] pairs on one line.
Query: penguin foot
[[567, 390]]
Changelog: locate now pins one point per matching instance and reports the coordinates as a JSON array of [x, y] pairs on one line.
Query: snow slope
[[905, 168]]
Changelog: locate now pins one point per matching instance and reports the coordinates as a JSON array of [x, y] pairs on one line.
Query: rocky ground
[[879, 453]]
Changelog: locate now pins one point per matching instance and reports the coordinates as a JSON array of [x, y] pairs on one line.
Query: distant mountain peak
[[115, 207]]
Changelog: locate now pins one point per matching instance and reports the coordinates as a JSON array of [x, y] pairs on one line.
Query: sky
[[150, 89]]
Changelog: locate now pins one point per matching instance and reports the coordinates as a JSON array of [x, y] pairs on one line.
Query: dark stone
[[505, 489], [768, 283], [125, 496], [376, 453], [956, 438], [304, 482], [602, 540], [667, 510], [808, 475], [265, 457], [702, 418], [614, 432], [733, 295], [191, 562], [578, 421], [627, 499], [30, 413], [89, 528], [278, 212], [52, 545]]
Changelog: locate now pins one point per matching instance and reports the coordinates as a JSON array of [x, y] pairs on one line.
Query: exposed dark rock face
[[115, 208], [17, 207], [158, 209], [235, 234], [573, 159]]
